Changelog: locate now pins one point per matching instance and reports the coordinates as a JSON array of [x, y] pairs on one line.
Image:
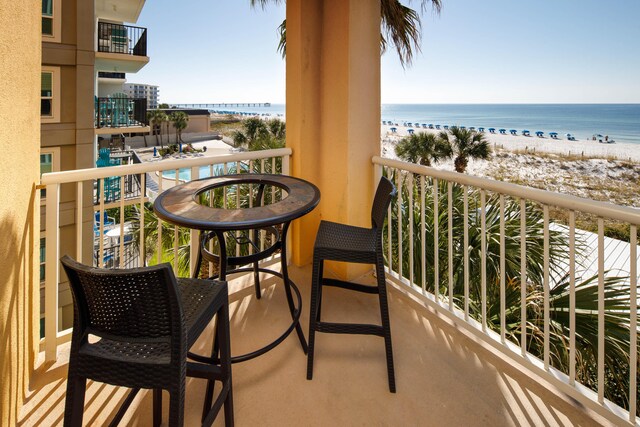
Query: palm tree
[[401, 27], [423, 148], [466, 144], [256, 134], [179, 119], [154, 120]]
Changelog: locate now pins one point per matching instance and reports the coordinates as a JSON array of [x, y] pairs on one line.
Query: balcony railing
[[119, 38], [561, 301], [111, 75], [118, 112], [120, 236], [495, 261]]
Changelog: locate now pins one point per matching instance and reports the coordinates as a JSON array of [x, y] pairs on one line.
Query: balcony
[[121, 48], [458, 343], [439, 369], [122, 113]]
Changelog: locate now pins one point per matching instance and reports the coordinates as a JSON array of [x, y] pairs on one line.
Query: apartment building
[[141, 90], [86, 50]]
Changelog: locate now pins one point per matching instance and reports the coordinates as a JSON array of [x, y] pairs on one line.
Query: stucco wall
[[19, 172], [333, 111]]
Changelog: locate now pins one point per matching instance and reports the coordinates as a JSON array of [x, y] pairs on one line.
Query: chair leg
[[176, 405], [386, 324], [208, 395], [319, 298], [74, 405], [225, 362], [316, 284], [157, 407]]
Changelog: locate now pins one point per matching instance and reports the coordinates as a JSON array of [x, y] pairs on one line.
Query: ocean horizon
[[620, 122]]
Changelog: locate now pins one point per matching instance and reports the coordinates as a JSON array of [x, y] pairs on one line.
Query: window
[[50, 95], [43, 258], [51, 20], [49, 162]]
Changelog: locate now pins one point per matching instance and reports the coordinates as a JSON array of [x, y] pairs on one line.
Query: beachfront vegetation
[[257, 134], [427, 149], [400, 27], [616, 289], [466, 144]]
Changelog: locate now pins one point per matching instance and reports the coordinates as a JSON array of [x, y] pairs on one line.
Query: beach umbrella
[[410, 131], [437, 126], [480, 129], [393, 130]]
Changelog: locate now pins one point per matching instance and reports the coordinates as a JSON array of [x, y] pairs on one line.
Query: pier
[[210, 106]]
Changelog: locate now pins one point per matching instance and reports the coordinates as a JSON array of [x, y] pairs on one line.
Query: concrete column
[[20, 47], [333, 111]]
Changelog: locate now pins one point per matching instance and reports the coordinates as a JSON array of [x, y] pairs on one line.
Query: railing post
[[194, 241], [51, 272]]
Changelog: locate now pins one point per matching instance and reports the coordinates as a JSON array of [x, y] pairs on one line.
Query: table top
[[179, 205]]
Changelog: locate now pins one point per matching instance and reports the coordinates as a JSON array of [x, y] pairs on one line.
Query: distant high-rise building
[[141, 90]]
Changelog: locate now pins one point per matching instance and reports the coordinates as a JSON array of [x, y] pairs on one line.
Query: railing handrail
[[116, 24], [71, 176], [574, 203]]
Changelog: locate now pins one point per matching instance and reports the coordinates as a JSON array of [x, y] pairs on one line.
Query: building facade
[[86, 49], [141, 90]]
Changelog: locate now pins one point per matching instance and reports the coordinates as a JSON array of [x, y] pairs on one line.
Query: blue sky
[[491, 51]]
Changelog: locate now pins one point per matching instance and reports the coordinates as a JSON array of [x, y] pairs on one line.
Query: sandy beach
[[589, 169], [586, 148]]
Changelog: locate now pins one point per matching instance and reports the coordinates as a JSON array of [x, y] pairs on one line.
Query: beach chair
[[481, 130], [492, 130], [503, 131], [540, 134], [410, 131], [526, 133]]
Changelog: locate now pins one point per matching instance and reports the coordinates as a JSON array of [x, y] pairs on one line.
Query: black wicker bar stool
[[133, 327], [340, 242]]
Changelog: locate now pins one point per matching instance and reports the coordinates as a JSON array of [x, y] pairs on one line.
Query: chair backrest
[[133, 303], [385, 192]]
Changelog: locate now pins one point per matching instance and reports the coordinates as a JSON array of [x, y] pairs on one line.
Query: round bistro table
[[180, 206]]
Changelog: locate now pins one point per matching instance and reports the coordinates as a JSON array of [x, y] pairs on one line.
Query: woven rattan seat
[[346, 243], [132, 328]]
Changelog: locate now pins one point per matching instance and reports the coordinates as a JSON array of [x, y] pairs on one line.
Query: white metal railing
[[267, 161], [442, 271]]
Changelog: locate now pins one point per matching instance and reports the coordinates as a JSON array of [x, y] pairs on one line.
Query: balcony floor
[[443, 376]]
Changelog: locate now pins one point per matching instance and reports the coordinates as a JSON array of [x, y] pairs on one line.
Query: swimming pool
[[184, 174]]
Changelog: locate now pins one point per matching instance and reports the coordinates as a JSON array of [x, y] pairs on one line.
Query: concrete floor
[[443, 377]]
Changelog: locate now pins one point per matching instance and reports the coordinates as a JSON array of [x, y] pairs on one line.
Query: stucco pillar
[[333, 111], [20, 53]]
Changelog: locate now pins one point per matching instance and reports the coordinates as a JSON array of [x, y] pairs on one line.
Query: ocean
[[620, 122]]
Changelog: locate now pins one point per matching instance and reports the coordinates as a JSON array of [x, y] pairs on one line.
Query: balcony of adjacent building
[[118, 113], [120, 48], [517, 330]]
